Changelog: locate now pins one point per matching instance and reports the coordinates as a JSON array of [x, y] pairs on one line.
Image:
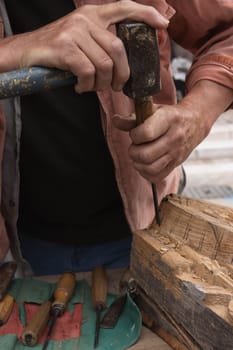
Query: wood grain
[[184, 280], [206, 227]]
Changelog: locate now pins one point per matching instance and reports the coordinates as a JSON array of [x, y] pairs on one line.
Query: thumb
[[130, 10], [124, 123]]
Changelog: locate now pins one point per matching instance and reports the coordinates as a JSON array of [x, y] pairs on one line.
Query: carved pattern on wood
[[190, 295], [206, 227]]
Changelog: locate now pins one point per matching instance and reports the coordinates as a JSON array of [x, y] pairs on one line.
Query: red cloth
[[67, 326]]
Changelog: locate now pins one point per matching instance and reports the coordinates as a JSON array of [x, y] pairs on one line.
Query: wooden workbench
[[148, 339]]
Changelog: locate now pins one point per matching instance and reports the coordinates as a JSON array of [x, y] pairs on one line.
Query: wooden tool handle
[[62, 294], [64, 291], [7, 272], [99, 287], [143, 108], [6, 307], [36, 324]]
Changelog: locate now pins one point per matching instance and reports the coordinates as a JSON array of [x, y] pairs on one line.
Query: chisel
[[53, 307], [99, 296], [63, 293], [114, 311], [37, 324], [141, 45]]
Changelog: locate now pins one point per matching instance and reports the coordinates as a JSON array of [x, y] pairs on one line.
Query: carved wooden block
[[184, 273]]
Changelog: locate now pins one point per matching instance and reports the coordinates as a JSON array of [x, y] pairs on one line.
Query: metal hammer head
[[141, 44]]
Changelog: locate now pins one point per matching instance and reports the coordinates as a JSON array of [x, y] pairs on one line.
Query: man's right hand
[[80, 42]]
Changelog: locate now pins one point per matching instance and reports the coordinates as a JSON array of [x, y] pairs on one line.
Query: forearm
[[12, 51], [209, 100]]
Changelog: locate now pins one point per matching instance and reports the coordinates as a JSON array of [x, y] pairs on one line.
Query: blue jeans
[[47, 258]]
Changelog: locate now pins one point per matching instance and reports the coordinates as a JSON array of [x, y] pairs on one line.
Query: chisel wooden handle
[[99, 296], [27, 81], [36, 324], [99, 287], [7, 272], [63, 292], [6, 307]]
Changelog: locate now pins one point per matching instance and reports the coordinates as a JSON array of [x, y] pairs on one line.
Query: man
[[81, 196]]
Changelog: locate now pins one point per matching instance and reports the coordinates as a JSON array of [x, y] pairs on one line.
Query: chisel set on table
[[49, 311], [41, 323]]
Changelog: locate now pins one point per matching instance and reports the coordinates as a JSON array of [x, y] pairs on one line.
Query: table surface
[[148, 340]]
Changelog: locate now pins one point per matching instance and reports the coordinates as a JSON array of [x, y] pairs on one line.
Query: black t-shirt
[[68, 191]]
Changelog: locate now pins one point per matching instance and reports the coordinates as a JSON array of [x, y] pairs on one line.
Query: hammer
[[141, 45]]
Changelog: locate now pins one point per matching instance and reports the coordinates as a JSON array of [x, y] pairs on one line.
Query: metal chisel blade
[[113, 313]]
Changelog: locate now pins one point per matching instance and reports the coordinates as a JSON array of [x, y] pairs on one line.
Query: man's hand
[[168, 137], [80, 42]]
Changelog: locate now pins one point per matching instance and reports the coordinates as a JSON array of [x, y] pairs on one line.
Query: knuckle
[[179, 135], [146, 157], [88, 71], [143, 157], [63, 39], [125, 5], [150, 133], [176, 138], [83, 10], [67, 60], [105, 65], [117, 47], [175, 114], [79, 17]]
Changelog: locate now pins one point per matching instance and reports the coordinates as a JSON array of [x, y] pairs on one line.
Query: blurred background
[[209, 168]]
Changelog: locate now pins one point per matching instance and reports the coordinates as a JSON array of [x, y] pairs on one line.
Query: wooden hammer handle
[[143, 108]]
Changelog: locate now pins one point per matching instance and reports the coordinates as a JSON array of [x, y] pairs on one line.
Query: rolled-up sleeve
[[205, 28]]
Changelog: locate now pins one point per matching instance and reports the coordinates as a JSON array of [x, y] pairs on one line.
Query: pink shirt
[[203, 27]]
